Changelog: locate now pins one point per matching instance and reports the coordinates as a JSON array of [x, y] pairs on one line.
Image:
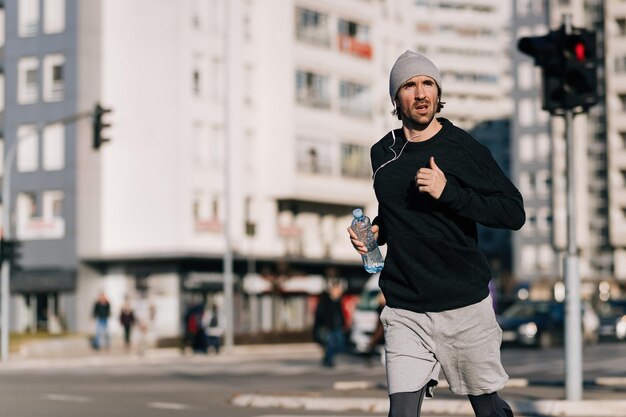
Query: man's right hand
[[358, 245]]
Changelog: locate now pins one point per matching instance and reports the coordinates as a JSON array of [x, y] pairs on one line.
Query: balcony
[[353, 46]]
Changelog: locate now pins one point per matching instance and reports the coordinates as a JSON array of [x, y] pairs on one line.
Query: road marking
[[168, 406], [68, 398], [611, 381]]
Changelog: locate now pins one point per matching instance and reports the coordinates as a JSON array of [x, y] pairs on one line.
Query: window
[[312, 26], [196, 82], [27, 148], [526, 112], [52, 207], [543, 147], [622, 101], [2, 25], [525, 75], [544, 220], [35, 221], [28, 17], [543, 182], [53, 75], [199, 13], [620, 64], [545, 257], [54, 16], [26, 206], [354, 38], [205, 213], [202, 148], [314, 156], [355, 162], [54, 147], [215, 79], [312, 89], [27, 80], [1, 91], [526, 148], [525, 184], [354, 99], [621, 26], [528, 258]]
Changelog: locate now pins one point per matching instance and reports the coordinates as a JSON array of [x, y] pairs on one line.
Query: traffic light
[[580, 83], [568, 63], [11, 250], [99, 125]]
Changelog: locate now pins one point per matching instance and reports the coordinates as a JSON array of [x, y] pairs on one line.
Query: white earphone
[[395, 157]]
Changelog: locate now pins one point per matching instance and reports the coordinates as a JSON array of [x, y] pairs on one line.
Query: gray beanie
[[409, 65]]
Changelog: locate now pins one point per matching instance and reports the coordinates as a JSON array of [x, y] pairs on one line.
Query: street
[[194, 386]]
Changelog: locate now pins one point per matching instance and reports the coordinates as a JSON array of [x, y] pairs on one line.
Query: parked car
[[365, 317], [542, 323], [612, 315]]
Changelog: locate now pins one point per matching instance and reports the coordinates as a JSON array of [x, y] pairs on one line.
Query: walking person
[[329, 324], [433, 183], [101, 313], [127, 320]]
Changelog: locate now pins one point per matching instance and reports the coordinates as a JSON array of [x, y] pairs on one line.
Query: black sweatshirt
[[433, 262]]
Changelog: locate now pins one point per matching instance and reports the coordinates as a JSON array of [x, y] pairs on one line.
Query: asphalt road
[[203, 386]]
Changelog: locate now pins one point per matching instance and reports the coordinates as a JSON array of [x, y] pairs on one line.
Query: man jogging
[[433, 183]]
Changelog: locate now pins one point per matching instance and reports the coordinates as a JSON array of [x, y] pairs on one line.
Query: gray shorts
[[464, 343]]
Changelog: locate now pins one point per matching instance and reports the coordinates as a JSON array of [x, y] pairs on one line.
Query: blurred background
[[243, 127]]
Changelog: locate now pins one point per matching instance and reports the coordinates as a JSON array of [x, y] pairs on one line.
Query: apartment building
[[276, 102]]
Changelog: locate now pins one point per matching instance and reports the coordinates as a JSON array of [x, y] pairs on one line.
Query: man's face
[[418, 99]]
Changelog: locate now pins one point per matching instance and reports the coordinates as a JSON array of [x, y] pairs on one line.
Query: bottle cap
[[357, 213]]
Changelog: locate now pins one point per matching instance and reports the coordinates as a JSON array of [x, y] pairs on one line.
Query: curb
[[544, 408]]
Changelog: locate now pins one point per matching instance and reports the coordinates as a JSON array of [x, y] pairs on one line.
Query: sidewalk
[[603, 397]]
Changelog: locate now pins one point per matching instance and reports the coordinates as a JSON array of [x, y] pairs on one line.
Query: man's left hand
[[431, 180]]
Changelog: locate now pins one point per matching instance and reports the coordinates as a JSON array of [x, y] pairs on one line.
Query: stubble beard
[[419, 121]]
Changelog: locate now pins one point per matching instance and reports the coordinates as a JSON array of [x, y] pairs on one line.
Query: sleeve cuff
[[449, 195]]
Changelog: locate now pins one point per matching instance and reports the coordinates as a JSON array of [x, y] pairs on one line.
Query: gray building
[[38, 59]]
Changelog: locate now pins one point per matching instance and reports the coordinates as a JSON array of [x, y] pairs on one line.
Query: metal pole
[[6, 234], [229, 308], [573, 332], [573, 335]]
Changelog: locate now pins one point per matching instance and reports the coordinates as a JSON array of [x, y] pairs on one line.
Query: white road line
[[68, 398], [168, 406]]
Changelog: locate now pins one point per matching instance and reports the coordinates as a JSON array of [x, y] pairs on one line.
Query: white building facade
[[280, 101]]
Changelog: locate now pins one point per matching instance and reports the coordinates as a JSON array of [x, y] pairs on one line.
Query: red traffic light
[[579, 51]]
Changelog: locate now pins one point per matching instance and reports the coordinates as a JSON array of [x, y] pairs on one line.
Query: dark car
[[542, 323], [612, 315], [533, 323]]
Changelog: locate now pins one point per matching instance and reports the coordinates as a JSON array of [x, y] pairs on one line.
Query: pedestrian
[[101, 313], [127, 320], [212, 329], [433, 183], [195, 335], [329, 324]]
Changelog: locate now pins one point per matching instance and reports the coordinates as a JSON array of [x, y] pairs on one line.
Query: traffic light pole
[[573, 332], [229, 302], [6, 235]]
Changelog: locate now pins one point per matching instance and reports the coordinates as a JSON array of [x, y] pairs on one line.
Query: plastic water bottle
[[362, 226]]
